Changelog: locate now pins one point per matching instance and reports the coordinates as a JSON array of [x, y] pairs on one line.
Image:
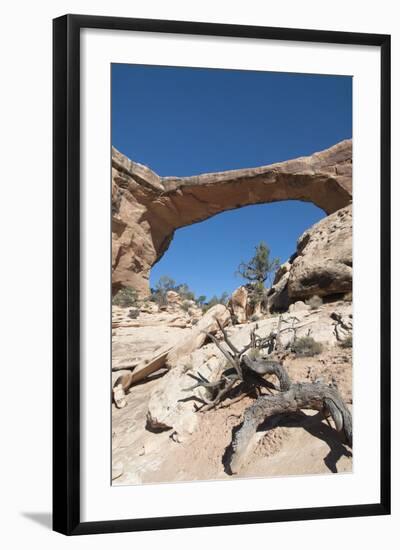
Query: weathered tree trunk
[[320, 397], [267, 366], [245, 375]]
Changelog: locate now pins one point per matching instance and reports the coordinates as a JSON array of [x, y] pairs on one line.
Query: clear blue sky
[[184, 121]]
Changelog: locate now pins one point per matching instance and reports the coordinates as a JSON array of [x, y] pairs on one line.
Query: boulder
[[148, 307], [197, 336], [167, 355], [320, 324], [238, 304], [173, 297], [278, 297], [343, 326], [282, 270], [171, 406], [298, 306], [323, 265]]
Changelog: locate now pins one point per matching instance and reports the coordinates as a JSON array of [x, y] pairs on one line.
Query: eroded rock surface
[[159, 436], [147, 208], [197, 336], [322, 265], [238, 304], [170, 405], [324, 262]]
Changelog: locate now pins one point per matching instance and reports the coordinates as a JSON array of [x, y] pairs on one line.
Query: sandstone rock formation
[[197, 336], [278, 298], [324, 262], [328, 325], [167, 355], [170, 405], [321, 266], [238, 304], [147, 209], [190, 445], [298, 306]]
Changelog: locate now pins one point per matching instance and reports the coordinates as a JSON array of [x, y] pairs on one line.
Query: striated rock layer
[[321, 266], [324, 262], [147, 209]]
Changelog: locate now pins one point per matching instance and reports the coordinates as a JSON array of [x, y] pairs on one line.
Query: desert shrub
[[258, 295], [314, 302], [159, 293], [184, 292], [254, 353], [255, 317], [186, 305], [153, 296], [201, 300], [211, 302], [347, 342], [164, 285], [125, 297], [223, 299], [159, 297], [306, 346], [134, 313]]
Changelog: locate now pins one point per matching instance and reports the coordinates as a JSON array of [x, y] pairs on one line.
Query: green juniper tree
[[214, 300], [125, 297], [165, 283], [159, 294], [259, 269], [201, 300], [184, 292]]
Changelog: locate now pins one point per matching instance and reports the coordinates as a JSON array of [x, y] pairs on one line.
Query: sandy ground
[[300, 444]]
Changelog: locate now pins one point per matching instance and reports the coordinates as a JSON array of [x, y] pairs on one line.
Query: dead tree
[[240, 375], [246, 374], [316, 396]]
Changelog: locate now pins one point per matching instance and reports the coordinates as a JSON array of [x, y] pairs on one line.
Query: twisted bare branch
[[319, 397], [269, 367]]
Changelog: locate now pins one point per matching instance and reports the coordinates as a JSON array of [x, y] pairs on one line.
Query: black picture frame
[[66, 273]]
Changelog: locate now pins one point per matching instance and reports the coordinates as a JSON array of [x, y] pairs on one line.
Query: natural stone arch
[[147, 208]]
